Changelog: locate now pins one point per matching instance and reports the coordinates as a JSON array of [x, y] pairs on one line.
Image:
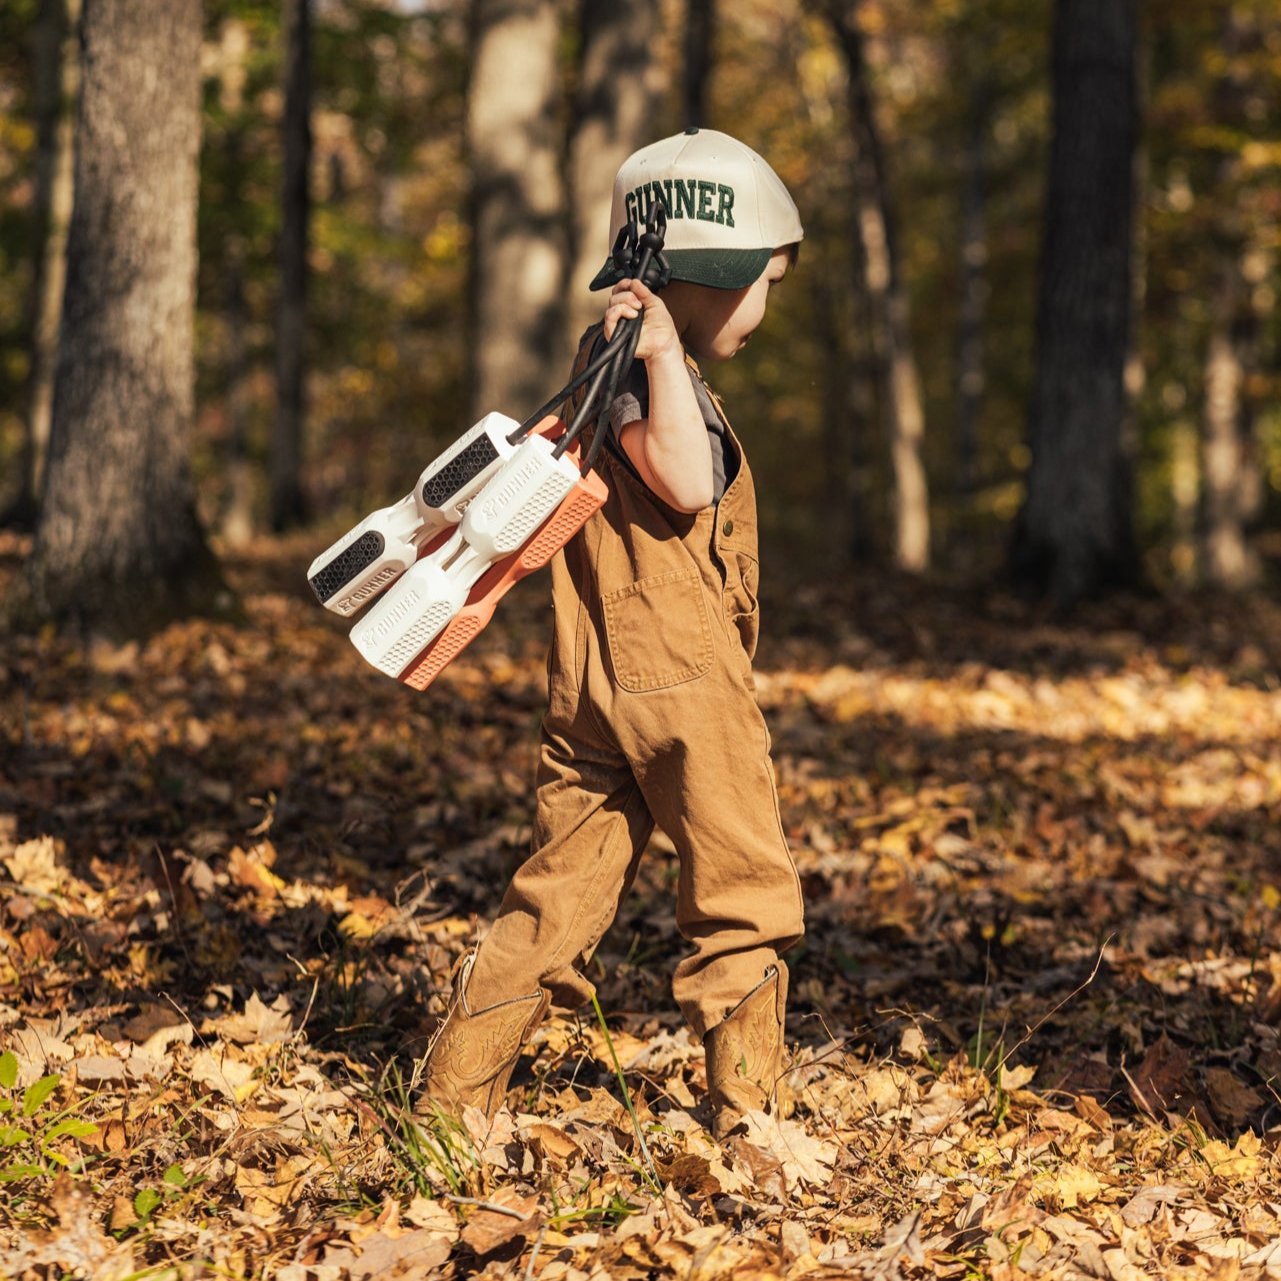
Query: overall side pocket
[[741, 586]]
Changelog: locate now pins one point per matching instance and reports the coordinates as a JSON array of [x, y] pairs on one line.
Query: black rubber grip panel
[[347, 564], [441, 486]]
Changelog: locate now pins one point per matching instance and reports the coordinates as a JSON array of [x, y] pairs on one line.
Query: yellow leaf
[[357, 925], [1240, 1161], [1016, 1078], [1075, 1185]]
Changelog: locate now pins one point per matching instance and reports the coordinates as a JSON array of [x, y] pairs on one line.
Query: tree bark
[[971, 377], [1226, 558], [700, 40], [57, 72], [288, 507], [1232, 489], [519, 243], [613, 116], [888, 298], [1074, 535], [118, 547], [237, 523]]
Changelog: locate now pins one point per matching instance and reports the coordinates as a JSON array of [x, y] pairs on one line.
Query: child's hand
[[629, 299]]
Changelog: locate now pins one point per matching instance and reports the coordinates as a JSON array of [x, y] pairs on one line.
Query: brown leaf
[[258, 1025], [691, 1174], [37, 865], [1009, 1205], [252, 869], [267, 1193], [1089, 1111], [1163, 1080], [382, 1257], [764, 1170], [78, 1244], [805, 1158], [1141, 1208], [486, 1230], [550, 1141], [93, 1069], [1233, 1101], [37, 945]]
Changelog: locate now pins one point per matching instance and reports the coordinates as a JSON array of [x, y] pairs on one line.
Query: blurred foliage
[[390, 249]]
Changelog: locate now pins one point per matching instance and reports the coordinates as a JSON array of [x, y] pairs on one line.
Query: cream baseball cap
[[727, 210]]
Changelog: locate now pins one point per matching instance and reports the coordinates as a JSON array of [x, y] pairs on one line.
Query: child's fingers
[[617, 312], [637, 290]]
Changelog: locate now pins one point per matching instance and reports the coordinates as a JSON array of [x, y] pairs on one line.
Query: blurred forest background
[[399, 202], [260, 262]]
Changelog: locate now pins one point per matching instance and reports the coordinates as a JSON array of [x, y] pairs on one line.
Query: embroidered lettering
[[725, 211]]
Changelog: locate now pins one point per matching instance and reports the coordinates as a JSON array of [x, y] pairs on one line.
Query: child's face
[[718, 322]]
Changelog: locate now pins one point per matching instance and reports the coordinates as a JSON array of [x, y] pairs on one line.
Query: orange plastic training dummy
[[495, 506]]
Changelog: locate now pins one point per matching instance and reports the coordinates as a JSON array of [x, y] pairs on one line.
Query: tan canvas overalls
[[652, 718]]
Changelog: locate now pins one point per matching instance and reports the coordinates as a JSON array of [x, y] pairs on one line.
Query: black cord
[[603, 425], [641, 257], [566, 392]]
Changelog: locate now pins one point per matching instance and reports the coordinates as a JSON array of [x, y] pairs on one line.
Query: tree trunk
[[238, 511], [700, 38], [1227, 561], [970, 374], [288, 507], [118, 547], [57, 75], [237, 523], [1185, 491], [519, 243], [614, 115], [1074, 533], [1232, 491], [887, 294], [849, 418], [1135, 376]]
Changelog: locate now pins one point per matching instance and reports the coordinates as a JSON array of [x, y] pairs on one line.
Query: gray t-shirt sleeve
[[631, 402]]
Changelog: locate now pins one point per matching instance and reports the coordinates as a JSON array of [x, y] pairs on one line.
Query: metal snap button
[[727, 528]]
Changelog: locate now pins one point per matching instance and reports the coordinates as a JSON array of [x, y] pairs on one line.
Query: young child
[[652, 716]]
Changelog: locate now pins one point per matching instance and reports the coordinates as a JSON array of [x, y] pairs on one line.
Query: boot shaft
[[472, 1053], [745, 1054]]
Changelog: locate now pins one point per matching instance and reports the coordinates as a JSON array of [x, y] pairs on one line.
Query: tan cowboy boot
[[472, 1053], [745, 1055]]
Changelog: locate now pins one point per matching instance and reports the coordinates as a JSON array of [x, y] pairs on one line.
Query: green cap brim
[[717, 268]]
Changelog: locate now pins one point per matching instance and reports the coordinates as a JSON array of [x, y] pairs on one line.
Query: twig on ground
[[533, 1258], [1053, 1010], [488, 1205]]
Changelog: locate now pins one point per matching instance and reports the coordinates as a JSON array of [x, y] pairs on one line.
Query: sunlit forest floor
[[1034, 1023]]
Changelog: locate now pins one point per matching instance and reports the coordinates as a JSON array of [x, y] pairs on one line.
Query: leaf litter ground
[[1034, 1023]]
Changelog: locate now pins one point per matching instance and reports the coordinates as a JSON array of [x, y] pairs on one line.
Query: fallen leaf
[[230, 1077], [804, 1158], [1143, 1205], [37, 865], [486, 1230], [259, 1024]]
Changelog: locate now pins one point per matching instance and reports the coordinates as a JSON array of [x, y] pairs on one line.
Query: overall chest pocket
[[658, 631]]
